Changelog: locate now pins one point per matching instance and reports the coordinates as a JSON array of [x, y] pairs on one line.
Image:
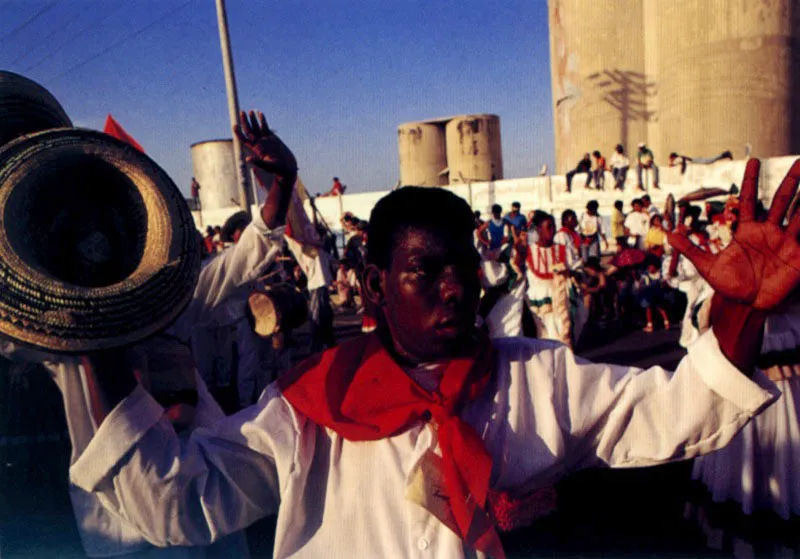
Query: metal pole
[[245, 191]]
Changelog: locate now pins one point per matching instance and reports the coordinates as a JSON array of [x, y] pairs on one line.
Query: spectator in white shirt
[[636, 224], [619, 166]]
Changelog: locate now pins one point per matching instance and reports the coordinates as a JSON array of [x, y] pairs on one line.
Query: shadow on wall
[[627, 92], [794, 73]]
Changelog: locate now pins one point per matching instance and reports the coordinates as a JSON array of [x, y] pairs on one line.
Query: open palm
[[761, 265], [266, 150]]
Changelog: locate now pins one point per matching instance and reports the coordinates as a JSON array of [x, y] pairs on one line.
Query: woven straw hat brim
[[43, 309], [27, 107]]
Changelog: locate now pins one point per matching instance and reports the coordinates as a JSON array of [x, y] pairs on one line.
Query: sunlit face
[[546, 231], [430, 294]]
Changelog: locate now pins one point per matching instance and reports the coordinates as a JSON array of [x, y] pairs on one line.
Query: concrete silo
[[423, 156], [473, 148], [728, 75], [599, 84], [214, 168]]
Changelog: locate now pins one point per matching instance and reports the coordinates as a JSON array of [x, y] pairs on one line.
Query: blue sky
[[334, 77]]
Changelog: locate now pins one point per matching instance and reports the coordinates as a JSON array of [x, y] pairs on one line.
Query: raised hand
[[760, 268], [265, 150]]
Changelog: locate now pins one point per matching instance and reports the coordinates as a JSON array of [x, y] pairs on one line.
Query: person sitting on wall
[[682, 161], [619, 166], [646, 161], [337, 189], [583, 166]]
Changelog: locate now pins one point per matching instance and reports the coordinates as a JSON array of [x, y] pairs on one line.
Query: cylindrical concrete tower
[[215, 169], [474, 151], [423, 156], [728, 76], [600, 88]]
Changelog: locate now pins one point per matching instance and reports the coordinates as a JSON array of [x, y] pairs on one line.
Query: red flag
[[113, 128]]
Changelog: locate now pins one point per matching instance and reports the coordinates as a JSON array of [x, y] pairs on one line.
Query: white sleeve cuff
[[727, 381], [118, 433], [259, 225]]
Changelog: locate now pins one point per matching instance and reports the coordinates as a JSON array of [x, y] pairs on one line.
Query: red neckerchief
[[359, 391], [576, 238]]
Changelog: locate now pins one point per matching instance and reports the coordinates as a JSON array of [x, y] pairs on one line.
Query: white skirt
[[759, 468]]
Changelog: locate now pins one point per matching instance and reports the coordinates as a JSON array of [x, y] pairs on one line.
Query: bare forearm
[[739, 330], [276, 207]]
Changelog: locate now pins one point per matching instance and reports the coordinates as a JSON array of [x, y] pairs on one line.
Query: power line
[[28, 21], [120, 42], [71, 39], [61, 26]]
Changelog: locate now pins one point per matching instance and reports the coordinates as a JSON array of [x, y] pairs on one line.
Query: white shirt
[[104, 534], [591, 225], [637, 223], [618, 161], [545, 413], [574, 260]]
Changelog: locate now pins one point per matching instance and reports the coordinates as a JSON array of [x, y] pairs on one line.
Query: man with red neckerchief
[[402, 443]]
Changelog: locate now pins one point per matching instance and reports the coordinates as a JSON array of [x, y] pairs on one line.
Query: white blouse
[[545, 414]]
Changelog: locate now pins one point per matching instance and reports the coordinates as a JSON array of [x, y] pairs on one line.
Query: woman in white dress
[[749, 498]]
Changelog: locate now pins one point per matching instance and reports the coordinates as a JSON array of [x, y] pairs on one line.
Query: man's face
[[571, 222], [546, 231], [637, 207], [514, 211], [431, 293]]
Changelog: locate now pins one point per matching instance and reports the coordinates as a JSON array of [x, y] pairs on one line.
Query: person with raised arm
[[421, 436]]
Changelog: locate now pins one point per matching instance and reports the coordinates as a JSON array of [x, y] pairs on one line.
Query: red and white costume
[[547, 290]]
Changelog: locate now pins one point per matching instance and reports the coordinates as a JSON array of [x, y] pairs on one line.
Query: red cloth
[[360, 392], [113, 128], [574, 235]]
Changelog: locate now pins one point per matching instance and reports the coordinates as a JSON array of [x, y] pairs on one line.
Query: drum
[[276, 309]]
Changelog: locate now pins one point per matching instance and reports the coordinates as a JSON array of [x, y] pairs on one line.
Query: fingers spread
[[254, 123], [784, 195], [749, 194], [244, 125], [263, 122], [701, 259]]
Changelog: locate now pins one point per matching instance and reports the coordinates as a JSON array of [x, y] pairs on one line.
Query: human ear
[[372, 281]]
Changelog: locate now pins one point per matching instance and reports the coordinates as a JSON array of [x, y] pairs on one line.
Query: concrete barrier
[[549, 193]]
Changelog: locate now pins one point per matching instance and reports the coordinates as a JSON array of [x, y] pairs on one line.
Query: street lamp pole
[[242, 173]]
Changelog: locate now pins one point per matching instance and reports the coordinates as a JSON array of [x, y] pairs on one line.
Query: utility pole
[[243, 174]]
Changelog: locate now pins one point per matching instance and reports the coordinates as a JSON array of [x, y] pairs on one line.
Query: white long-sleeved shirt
[[103, 533], [544, 414]]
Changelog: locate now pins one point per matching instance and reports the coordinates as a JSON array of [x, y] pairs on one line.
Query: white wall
[[548, 193]]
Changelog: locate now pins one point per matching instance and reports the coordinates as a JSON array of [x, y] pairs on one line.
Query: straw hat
[[97, 245], [27, 107]]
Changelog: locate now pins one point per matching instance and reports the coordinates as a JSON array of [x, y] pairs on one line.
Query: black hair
[[619, 205], [654, 218], [516, 205], [239, 220], [646, 198], [619, 148], [592, 205], [694, 211], [336, 178], [673, 155], [433, 209], [596, 153], [540, 217], [496, 209], [565, 215], [637, 201]]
